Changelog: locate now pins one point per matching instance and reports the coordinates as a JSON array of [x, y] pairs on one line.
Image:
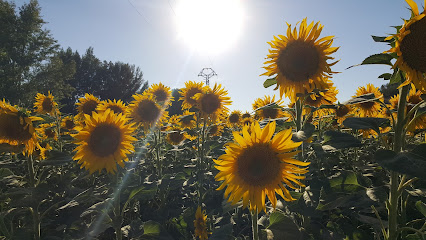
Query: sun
[[209, 26]]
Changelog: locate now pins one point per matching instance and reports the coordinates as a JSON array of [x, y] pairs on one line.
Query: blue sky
[[144, 33]]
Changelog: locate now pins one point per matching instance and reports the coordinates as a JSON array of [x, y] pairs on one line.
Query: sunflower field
[[313, 169]]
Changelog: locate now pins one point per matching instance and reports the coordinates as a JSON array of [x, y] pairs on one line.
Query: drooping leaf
[[396, 77], [369, 97], [381, 58], [345, 181], [412, 163], [269, 82], [386, 76], [57, 158], [153, 230], [421, 207], [365, 123], [282, 227], [334, 140], [380, 39]]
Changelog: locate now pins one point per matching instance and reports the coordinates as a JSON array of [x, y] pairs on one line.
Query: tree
[[24, 47]]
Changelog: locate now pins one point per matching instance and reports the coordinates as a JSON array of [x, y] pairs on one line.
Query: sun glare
[[210, 26]]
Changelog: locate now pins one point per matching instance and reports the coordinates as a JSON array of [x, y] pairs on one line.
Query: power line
[[142, 15]]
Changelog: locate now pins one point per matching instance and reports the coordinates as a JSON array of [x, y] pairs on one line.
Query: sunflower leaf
[[385, 76], [421, 207], [396, 77], [282, 227], [412, 163], [306, 132], [369, 97], [381, 58], [334, 140], [365, 123], [154, 230], [380, 39], [269, 82]]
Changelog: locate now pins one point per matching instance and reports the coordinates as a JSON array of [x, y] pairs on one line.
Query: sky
[[147, 34]]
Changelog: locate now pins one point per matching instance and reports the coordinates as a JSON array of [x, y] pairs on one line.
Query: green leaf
[[365, 123], [282, 227], [306, 132], [386, 76], [421, 207], [381, 58], [153, 230], [412, 163], [5, 172], [57, 158], [222, 233], [334, 140], [269, 82], [369, 97], [396, 77], [345, 181], [380, 39]]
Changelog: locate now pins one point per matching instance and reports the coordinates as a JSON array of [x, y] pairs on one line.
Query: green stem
[[34, 209], [394, 178], [254, 226], [118, 217], [157, 153]]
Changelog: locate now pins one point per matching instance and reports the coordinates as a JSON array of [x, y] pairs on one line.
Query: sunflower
[[68, 123], [342, 112], [45, 104], [187, 119], [273, 111], [44, 148], [413, 98], [175, 135], [246, 115], [371, 108], [200, 224], [146, 111], [215, 129], [104, 142], [161, 93], [187, 93], [256, 165], [47, 131], [299, 61], [410, 46], [116, 106], [247, 121], [234, 118], [16, 128], [86, 105], [212, 102]]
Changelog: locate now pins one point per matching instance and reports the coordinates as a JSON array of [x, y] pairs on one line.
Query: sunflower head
[[45, 104], [215, 129], [175, 135], [16, 127], [370, 108], [68, 123], [115, 106], [410, 46], [187, 119], [247, 121], [87, 105], [299, 59], [257, 165], [270, 108], [234, 118], [161, 93], [200, 224], [104, 142], [246, 115], [342, 112], [188, 92], [146, 111], [47, 131], [212, 102]]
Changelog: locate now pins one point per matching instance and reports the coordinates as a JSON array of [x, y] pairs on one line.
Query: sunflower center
[[89, 107], [315, 103], [413, 46], [12, 129], [234, 118], [270, 113], [213, 130], [342, 111], [116, 109], [210, 102], [258, 165], [160, 95], [176, 137], [367, 105], [247, 121], [246, 115], [148, 111], [49, 133], [47, 104], [104, 140], [190, 93], [69, 124], [299, 61]]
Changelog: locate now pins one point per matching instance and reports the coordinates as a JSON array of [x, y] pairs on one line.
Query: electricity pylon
[[207, 73]]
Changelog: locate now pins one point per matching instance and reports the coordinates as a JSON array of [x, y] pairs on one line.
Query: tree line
[[32, 61]]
